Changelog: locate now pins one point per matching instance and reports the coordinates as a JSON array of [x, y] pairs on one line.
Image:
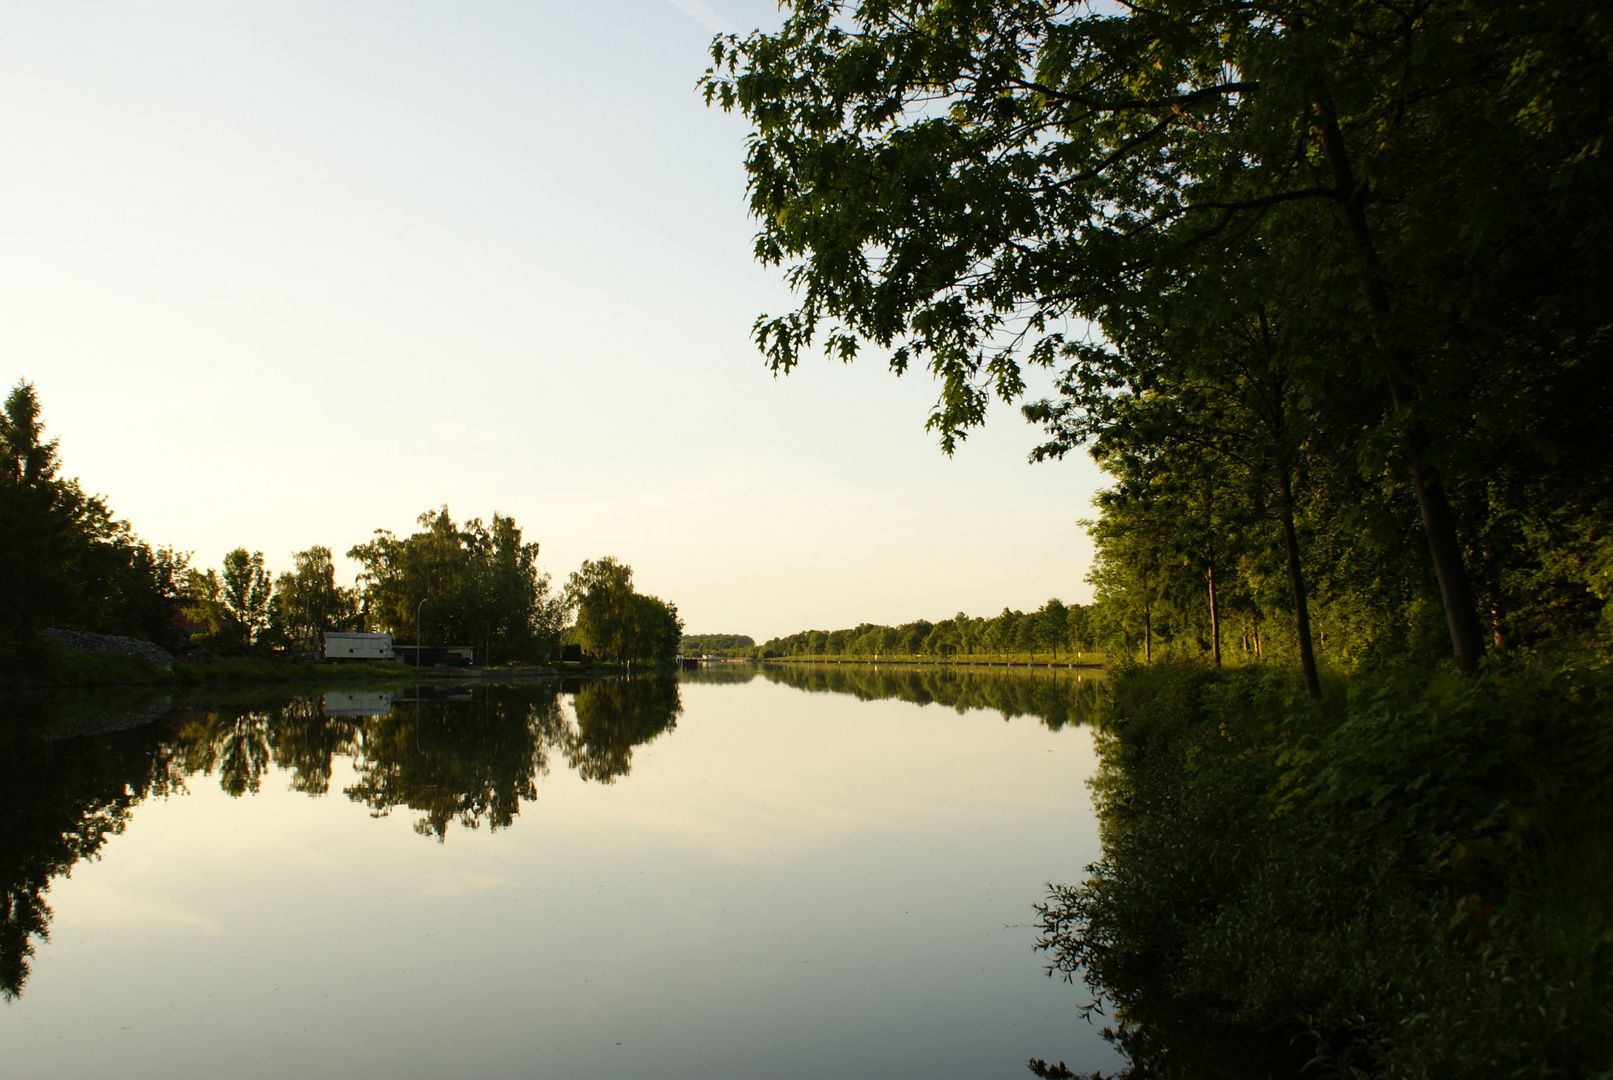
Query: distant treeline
[[715, 644], [66, 561], [1055, 631]]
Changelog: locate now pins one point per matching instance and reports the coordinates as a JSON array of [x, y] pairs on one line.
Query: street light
[[417, 631]]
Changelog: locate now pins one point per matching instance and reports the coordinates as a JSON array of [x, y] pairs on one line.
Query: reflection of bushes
[[465, 761], [1414, 880], [615, 716], [60, 804], [1056, 697]]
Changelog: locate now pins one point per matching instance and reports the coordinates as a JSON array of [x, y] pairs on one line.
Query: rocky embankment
[[79, 641]]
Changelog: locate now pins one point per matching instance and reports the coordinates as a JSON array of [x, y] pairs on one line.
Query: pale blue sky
[[288, 272]]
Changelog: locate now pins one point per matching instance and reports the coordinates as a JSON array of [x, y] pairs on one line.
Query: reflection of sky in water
[[786, 884]]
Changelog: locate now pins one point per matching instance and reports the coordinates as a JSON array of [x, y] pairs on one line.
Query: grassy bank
[[53, 666], [1410, 878], [269, 671]]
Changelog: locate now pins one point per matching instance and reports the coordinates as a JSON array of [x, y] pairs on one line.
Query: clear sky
[[287, 272]]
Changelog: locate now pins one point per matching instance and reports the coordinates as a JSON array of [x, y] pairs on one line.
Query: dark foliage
[[1410, 880]]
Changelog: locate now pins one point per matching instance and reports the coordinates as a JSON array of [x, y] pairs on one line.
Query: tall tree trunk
[[1492, 581], [1461, 614], [1148, 635], [1209, 577], [1296, 584], [1296, 576]]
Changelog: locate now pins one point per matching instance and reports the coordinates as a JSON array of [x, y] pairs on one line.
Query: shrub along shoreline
[[1410, 877]]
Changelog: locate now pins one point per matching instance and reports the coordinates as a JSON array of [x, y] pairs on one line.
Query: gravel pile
[[76, 641]]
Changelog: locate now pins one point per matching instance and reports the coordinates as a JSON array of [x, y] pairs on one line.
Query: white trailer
[[358, 647]]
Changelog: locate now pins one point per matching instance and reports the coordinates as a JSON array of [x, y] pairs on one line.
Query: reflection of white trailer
[[342, 703], [358, 647]]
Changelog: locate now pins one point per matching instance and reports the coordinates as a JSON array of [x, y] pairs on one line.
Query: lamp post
[[418, 636]]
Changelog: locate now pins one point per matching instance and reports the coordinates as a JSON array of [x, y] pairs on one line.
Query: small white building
[[358, 647]]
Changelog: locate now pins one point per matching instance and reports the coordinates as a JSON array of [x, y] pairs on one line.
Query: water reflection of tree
[[453, 760], [305, 742], [465, 761], [613, 717], [60, 804], [1056, 697], [240, 743], [231, 742]]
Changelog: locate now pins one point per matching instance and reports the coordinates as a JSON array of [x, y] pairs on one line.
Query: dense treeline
[[715, 644], [1055, 631], [66, 561], [470, 584]]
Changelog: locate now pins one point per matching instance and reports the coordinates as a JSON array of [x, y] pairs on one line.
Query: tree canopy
[[1348, 261], [307, 602], [479, 583], [1056, 631], [616, 621]]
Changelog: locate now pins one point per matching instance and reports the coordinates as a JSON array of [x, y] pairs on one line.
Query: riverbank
[[1411, 877], [52, 666]]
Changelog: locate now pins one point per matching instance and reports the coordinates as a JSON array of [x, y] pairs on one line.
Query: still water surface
[[781, 873]]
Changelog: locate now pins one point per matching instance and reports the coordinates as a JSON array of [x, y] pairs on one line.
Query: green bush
[[1410, 878]]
